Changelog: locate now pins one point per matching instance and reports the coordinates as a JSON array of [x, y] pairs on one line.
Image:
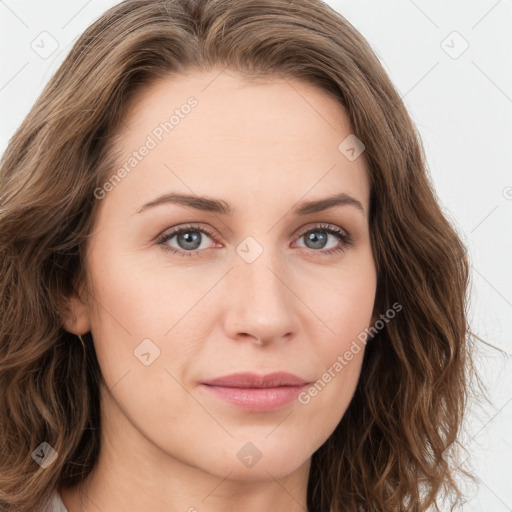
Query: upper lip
[[253, 380]]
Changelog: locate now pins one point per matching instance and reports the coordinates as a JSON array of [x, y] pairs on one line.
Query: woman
[[226, 281]]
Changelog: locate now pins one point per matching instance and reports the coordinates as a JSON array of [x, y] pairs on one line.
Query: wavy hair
[[388, 451]]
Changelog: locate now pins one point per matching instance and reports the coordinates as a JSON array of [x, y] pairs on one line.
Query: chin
[[264, 463]]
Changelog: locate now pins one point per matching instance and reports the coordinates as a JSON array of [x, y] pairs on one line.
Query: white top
[[56, 504]]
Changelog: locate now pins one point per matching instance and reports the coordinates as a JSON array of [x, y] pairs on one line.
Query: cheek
[[124, 312], [344, 302], [345, 305], [127, 294], [138, 311], [325, 402], [340, 355]]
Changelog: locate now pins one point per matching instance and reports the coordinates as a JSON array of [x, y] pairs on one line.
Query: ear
[[76, 313]]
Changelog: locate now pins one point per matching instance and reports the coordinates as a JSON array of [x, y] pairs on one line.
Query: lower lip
[[257, 399]]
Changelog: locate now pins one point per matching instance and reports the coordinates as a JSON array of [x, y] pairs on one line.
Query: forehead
[[215, 133], [233, 105]]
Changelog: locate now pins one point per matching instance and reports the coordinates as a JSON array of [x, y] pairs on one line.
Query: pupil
[[318, 241], [190, 241]]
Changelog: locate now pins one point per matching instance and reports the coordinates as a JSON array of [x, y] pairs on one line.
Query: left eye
[[190, 240], [317, 238]]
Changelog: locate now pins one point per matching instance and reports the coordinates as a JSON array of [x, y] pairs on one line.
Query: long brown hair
[[388, 452]]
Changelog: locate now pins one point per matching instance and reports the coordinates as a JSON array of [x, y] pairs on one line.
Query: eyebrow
[[220, 206]]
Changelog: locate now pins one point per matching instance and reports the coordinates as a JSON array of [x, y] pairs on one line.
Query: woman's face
[[259, 281]]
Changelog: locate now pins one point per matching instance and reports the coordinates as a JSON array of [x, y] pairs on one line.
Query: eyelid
[[320, 226]]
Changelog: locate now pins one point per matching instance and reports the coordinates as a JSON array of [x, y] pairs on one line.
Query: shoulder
[[55, 504]]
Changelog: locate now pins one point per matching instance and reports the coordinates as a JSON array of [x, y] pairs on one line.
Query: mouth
[[257, 393]]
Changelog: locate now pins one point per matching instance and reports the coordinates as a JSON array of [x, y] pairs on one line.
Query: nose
[[261, 304]]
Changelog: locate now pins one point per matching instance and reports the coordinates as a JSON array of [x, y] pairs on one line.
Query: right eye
[[190, 238]]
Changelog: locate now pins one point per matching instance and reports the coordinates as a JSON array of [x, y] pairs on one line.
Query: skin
[[167, 444]]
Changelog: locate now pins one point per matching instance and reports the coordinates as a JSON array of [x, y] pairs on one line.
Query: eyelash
[[343, 236]]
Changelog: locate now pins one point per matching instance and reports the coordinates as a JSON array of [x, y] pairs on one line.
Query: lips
[[256, 393], [252, 380]]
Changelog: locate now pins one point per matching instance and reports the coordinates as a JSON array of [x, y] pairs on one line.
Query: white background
[[463, 109]]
